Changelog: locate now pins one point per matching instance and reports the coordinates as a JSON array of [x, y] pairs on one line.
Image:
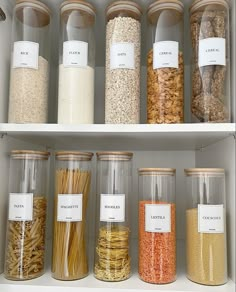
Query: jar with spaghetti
[[112, 256], [157, 230], [165, 63], [27, 208], [123, 46], [29, 82], [70, 241], [77, 62], [210, 31], [206, 246]]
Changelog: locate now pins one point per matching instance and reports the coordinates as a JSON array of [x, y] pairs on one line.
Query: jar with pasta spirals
[[70, 241], [112, 255], [25, 240]]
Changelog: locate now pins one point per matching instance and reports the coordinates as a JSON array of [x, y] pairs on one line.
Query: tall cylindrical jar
[[206, 226], [210, 29], [165, 63], [70, 242], [157, 231], [123, 45], [27, 208], [28, 98], [114, 179], [77, 63]]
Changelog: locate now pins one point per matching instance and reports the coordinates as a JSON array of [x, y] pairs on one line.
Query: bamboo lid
[[30, 154], [114, 155], [199, 171], [73, 155], [77, 5], [200, 3], [156, 171], [124, 5], [40, 16], [162, 5]]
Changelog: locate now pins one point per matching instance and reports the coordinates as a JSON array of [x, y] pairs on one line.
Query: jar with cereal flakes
[[165, 63], [211, 61], [26, 226], [157, 231]]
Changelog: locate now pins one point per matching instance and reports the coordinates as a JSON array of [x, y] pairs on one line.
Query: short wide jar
[[157, 230], [77, 63], [70, 241], [26, 226], [123, 46], [112, 251], [29, 82], [206, 249], [165, 62]]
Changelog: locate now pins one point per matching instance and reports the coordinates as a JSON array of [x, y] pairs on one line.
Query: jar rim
[[200, 3], [127, 4], [29, 154], [77, 5], [35, 4], [156, 171], [162, 4], [114, 155], [194, 171], [73, 155]]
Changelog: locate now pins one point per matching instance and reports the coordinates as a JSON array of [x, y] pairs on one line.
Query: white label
[[75, 54], [210, 218], [69, 207], [122, 56], [112, 208], [26, 55], [157, 218], [166, 55], [212, 52], [20, 207]]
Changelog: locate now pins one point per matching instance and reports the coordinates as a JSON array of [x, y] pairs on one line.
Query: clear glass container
[[165, 62], [114, 180], [77, 63], [206, 249], [72, 190], [28, 98], [210, 29], [27, 208], [157, 230], [123, 45]]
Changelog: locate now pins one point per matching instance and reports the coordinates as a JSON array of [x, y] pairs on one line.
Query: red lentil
[[157, 251]]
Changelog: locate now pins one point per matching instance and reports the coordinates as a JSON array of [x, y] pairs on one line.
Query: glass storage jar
[[157, 231], [210, 29], [77, 63], [165, 63], [123, 45], [112, 256], [25, 239], [72, 188], [206, 226], [28, 98]]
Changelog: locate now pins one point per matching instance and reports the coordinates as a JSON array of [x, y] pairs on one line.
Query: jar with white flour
[[28, 97], [77, 62]]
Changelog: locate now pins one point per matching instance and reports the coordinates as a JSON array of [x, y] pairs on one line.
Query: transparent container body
[[165, 63], [112, 251], [210, 30], [123, 46], [27, 208], [72, 191], [206, 249], [29, 82], [157, 225], [77, 63]]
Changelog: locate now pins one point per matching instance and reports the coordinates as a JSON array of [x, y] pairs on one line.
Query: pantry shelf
[[117, 137]]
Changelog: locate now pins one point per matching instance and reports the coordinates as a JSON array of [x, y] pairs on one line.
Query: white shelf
[[89, 284], [117, 137]]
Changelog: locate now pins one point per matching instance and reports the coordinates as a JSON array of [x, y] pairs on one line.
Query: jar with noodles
[[157, 230], [25, 240], [112, 255], [70, 242], [206, 248]]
